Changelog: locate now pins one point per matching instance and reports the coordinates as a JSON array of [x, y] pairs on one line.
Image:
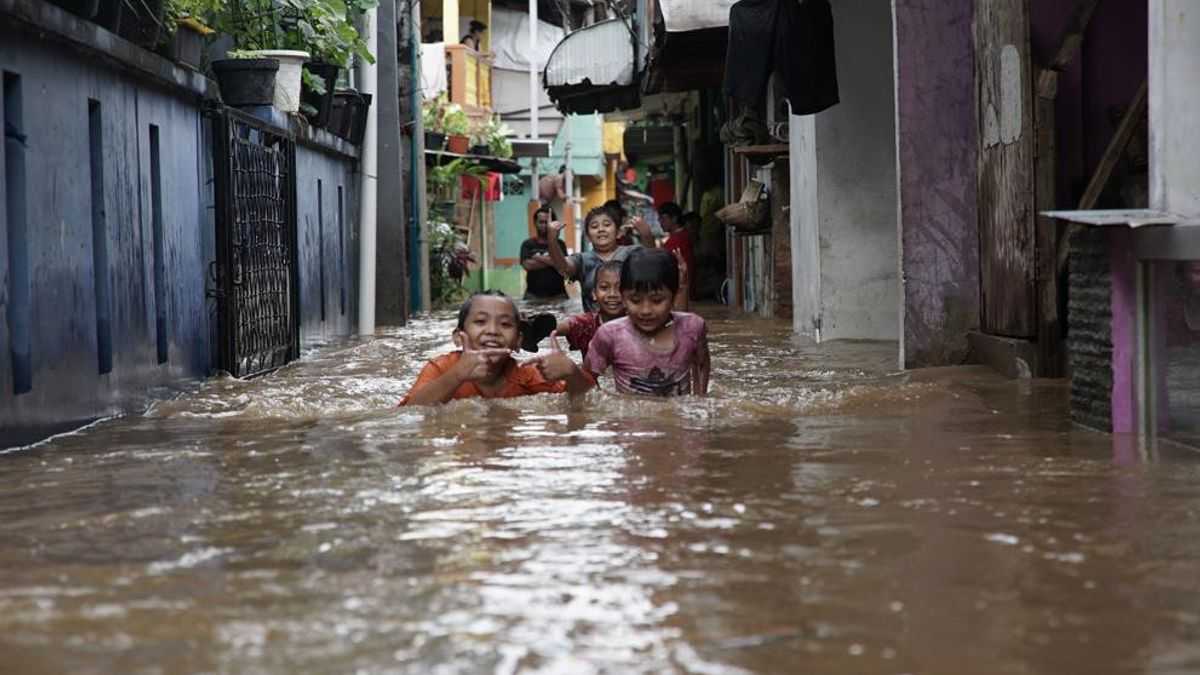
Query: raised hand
[[642, 227], [555, 228], [556, 365], [684, 276], [479, 364]]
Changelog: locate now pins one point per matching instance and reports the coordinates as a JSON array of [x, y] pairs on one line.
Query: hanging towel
[[799, 47]]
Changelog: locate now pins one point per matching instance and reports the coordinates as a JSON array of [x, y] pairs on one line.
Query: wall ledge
[[320, 139], [48, 22]]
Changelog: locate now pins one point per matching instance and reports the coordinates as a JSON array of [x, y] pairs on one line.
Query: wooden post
[[1049, 329]]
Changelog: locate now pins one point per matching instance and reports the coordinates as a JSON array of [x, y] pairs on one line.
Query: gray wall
[[61, 308], [322, 255], [67, 386], [844, 207]]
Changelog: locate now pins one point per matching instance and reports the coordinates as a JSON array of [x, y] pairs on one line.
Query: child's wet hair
[[596, 213], [613, 266], [649, 269], [465, 308]]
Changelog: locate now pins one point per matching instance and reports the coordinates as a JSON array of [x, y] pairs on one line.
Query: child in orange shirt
[[489, 330]]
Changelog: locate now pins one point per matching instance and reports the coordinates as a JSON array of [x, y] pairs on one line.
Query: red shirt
[[519, 380], [580, 329], [681, 241]]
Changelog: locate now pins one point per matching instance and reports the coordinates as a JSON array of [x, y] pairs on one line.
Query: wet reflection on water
[[820, 513]]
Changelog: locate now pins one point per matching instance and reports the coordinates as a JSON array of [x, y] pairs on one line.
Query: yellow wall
[[614, 139]]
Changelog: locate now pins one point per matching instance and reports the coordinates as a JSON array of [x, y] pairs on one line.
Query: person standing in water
[[652, 350], [542, 280], [489, 330], [602, 233]]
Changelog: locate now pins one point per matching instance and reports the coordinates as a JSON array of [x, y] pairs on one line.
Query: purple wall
[[938, 153]]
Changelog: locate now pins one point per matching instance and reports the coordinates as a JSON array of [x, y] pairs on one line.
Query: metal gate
[[258, 327]]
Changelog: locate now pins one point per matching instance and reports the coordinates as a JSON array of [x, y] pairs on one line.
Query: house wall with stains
[[107, 229], [937, 158]]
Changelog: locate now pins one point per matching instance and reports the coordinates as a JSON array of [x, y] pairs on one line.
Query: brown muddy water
[[820, 513]]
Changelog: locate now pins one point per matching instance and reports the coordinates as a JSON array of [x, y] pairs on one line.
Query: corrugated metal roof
[[601, 54], [686, 15]]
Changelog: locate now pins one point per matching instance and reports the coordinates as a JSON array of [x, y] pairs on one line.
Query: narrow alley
[[819, 509]]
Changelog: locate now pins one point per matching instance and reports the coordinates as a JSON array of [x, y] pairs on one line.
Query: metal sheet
[[601, 54], [685, 15], [1120, 217]]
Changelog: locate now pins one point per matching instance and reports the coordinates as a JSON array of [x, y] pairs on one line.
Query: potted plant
[[496, 135], [141, 22], [433, 113], [456, 125], [328, 32], [184, 21], [479, 136], [246, 81]]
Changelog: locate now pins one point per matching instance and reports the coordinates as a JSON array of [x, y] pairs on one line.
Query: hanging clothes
[[801, 52]]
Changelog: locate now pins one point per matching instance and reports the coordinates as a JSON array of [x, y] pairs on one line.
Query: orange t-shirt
[[518, 380]]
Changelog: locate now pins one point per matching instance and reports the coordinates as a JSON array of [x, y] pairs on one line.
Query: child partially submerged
[[489, 330], [606, 294], [652, 350]]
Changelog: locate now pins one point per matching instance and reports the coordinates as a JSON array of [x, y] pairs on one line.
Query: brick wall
[[1089, 329]]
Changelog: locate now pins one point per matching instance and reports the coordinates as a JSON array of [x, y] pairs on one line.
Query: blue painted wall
[[68, 387]]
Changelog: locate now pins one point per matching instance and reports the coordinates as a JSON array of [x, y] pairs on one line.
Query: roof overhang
[[595, 69]]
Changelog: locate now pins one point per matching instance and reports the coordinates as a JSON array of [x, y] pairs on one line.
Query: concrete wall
[[844, 191], [328, 236], [937, 154], [103, 305], [61, 315]]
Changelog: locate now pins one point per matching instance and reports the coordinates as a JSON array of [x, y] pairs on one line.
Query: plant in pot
[[328, 31], [186, 23], [496, 136], [449, 260], [433, 119], [457, 126], [479, 136], [253, 75]]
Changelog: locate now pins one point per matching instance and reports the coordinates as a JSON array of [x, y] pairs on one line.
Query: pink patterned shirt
[[639, 368]]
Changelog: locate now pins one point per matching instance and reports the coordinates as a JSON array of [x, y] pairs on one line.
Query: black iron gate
[[258, 318]]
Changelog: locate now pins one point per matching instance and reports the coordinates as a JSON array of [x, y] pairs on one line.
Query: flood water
[[820, 513]]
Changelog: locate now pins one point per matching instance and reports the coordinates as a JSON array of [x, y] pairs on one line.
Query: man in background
[[542, 280]]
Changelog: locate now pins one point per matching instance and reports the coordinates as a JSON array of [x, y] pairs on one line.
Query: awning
[[594, 69], [686, 15]]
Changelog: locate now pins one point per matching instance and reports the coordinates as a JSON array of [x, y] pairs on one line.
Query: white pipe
[[368, 81], [533, 89]]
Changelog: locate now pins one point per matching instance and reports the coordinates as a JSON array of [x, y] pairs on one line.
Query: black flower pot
[[434, 140], [142, 23], [186, 47], [341, 113], [246, 82], [358, 118], [108, 14], [322, 103], [480, 150]]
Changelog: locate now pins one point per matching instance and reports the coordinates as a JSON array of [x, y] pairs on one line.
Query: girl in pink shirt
[[652, 350]]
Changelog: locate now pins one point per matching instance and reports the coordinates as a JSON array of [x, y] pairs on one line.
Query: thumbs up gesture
[[556, 365]]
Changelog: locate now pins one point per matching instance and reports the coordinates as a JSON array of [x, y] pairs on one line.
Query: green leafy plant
[[433, 113], [449, 260], [455, 122], [199, 13], [443, 179], [323, 28]]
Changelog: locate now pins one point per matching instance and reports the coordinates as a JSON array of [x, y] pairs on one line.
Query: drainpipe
[[368, 79]]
